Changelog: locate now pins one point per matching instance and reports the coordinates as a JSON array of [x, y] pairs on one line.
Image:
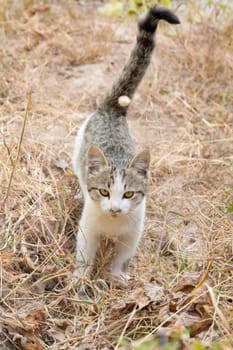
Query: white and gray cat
[[113, 177]]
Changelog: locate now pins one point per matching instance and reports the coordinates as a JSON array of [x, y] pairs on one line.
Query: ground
[[58, 59]]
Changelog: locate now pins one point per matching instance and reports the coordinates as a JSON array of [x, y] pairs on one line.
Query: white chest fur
[[127, 229], [97, 222]]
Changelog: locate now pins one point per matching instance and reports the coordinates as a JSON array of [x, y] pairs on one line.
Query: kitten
[[113, 177]]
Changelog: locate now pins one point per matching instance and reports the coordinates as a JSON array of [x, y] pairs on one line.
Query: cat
[[113, 177]]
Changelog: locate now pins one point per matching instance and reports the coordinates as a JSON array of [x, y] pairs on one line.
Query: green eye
[[128, 194], [103, 192]]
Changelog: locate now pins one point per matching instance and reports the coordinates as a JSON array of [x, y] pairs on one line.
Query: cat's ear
[[141, 162], [95, 159]]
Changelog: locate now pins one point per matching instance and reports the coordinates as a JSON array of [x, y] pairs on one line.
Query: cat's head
[[117, 191]]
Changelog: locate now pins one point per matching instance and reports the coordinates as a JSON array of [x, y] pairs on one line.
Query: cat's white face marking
[[116, 205], [116, 190]]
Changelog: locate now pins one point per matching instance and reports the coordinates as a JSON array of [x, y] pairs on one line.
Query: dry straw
[[182, 273]]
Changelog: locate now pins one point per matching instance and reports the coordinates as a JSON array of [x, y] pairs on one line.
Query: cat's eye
[[128, 194], [103, 192]]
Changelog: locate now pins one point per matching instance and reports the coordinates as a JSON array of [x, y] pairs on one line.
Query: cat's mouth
[[115, 215]]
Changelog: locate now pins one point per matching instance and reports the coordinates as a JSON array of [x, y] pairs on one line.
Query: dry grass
[[183, 271]]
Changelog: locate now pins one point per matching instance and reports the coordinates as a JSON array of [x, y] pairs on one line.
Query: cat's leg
[[127, 242], [125, 249], [87, 244]]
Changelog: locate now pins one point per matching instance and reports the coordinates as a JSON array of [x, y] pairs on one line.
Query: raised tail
[[138, 61]]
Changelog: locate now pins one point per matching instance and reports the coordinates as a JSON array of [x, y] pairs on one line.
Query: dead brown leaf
[[25, 328], [37, 8], [154, 292], [141, 296]]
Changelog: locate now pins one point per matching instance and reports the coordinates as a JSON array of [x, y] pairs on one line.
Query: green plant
[[130, 7], [229, 207]]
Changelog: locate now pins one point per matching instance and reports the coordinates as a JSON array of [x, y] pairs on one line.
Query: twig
[[14, 163], [220, 314], [205, 275], [126, 326]]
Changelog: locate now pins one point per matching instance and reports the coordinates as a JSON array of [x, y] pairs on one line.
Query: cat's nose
[[115, 210]]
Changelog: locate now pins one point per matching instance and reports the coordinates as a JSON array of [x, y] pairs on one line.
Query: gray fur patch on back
[[111, 135]]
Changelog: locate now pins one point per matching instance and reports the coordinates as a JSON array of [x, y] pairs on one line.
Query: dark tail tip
[[160, 12], [154, 15]]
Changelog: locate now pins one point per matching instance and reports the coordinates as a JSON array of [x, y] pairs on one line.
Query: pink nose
[[115, 210]]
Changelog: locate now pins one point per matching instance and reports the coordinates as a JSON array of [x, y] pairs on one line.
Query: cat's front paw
[[119, 279], [120, 274], [82, 272], [124, 275], [76, 273], [81, 282], [120, 270]]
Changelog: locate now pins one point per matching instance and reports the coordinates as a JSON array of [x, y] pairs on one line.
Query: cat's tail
[[138, 61]]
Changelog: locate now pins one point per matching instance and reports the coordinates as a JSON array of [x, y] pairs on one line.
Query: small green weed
[[130, 7]]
